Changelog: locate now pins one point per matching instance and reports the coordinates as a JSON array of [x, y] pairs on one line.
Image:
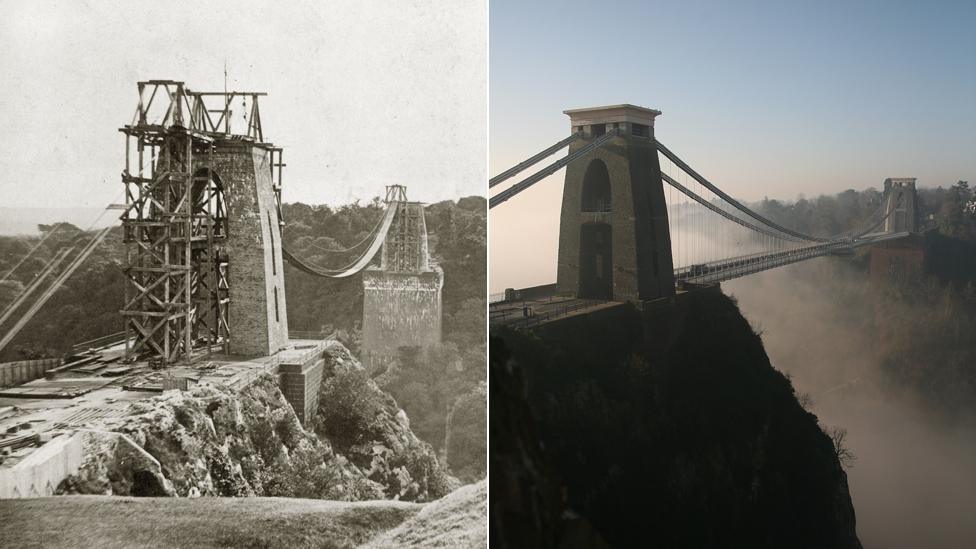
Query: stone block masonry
[[258, 319], [896, 259], [16, 373], [399, 309], [402, 296], [39, 474], [614, 241], [299, 377], [902, 214]]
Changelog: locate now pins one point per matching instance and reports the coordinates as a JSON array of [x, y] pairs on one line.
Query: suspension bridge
[[639, 224], [202, 224], [204, 301]]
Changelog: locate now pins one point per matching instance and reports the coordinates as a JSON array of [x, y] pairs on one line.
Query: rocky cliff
[[676, 437], [212, 441]]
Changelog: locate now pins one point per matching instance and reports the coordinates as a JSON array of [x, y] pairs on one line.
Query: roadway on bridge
[[526, 313]]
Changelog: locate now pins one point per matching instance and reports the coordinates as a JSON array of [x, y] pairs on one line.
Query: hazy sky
[[362, 94], [764, 98]]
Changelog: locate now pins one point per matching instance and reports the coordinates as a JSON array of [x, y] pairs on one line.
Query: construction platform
[[95, 390]]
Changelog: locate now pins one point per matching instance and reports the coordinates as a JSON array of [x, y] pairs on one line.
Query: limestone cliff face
[[680, 438], [211, 441]]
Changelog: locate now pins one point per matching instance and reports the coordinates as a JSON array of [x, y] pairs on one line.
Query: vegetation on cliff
[[428, 385], [213, 441]]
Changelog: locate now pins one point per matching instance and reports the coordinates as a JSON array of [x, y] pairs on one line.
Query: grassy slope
[[108, 522], [457, 520]]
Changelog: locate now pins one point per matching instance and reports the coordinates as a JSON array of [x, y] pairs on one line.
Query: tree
[[844, 454]]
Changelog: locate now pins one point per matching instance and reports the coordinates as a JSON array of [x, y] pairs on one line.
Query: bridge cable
[[58, 282], [57, 226], [882, 220], [35, 284], [739, 206], [532, 161], [551, 169], [356, 266], [371, 232]]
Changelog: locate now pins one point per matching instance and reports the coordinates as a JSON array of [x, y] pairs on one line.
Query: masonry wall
[[300, 385], [903, 214], [641, 243], [399, 309], [904, 257], [39, 474], [257, 312], [22, 371]]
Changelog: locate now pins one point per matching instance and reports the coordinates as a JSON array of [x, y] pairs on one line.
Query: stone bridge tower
[[202, 226], [614, 241], [900, 205], [401, 296]]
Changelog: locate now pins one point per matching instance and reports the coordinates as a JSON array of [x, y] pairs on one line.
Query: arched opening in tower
[[596, 261], [596, 188]]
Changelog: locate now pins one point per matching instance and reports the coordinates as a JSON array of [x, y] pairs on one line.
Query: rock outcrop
[[214, 441], [688, 438]]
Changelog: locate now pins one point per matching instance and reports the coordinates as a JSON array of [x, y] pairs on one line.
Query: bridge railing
[[535, 319], [735, 267]]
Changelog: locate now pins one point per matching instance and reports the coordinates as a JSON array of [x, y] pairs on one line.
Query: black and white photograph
[[243, 253]]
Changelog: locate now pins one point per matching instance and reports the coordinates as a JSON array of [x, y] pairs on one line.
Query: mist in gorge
[[894, 372], [699, 236]]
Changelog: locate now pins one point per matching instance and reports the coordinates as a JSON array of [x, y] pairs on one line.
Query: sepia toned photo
[[243, 250]]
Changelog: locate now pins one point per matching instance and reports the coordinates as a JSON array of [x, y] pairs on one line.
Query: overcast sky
[[773, 98], [362, 93]]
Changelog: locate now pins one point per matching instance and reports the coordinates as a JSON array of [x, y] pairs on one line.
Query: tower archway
[[614, 241], [596, 188], [596, 261]]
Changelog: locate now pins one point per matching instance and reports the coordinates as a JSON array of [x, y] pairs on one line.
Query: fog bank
[[914, 480]]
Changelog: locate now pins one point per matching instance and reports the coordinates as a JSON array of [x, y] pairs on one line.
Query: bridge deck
[[526, 313], [540, 309], [735, 267]]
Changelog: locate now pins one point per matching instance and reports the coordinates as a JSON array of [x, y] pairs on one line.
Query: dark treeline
[[949, 209], [87, 305]]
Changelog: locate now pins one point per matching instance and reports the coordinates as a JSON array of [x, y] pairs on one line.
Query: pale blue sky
[[764, 98]]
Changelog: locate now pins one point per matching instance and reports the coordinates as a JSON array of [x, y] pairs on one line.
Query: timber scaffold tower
[[175, 222]]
